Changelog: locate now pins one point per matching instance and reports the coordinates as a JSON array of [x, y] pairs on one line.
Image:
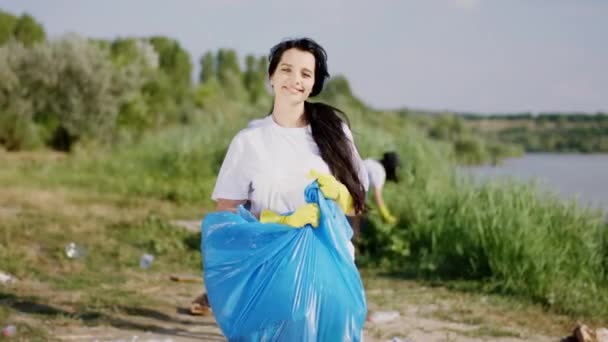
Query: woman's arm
[[377, 195], [228, 205], [379, 199]]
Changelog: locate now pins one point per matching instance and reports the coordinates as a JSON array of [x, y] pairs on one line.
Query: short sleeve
[[233, 182], [361, 170]]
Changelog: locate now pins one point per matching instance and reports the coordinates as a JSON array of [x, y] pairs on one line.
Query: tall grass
[[178, 163], [511, 237]]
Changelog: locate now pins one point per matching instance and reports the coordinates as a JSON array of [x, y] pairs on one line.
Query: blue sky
[[462, 55]]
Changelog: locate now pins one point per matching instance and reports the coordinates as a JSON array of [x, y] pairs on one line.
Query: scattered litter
[[146, 260], [383, 316], [399, 339], [6, 278], [9, 330], [74, 251]]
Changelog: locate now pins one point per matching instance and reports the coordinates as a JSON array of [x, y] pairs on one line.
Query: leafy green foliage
[[7, 26], [67, 89], [24, 29], [28, 31]]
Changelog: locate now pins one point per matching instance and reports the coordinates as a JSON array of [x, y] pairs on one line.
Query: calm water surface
[[580, 176]]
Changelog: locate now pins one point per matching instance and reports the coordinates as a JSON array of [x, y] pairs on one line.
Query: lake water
[[580, 176]]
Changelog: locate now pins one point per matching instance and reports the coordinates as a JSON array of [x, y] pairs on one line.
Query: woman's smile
[[293, 90]]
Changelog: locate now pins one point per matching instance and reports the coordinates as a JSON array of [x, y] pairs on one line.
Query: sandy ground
[[186, 328], [414, 324]]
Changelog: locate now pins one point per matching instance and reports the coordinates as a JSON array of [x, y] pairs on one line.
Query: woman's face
[[294, 77]]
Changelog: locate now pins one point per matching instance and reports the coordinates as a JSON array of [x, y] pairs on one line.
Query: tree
[[7, 26], [17, 130], [260, 92], [250, 72], [338, 85], [88, 91], [170, 94], [207, 67], [28, 31], [67, 90], [254, 77], [173, 60], [227, 63], [137, 59], [337, 91]]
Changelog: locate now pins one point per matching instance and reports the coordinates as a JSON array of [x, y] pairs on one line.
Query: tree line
[[546, 132], [57, 93]]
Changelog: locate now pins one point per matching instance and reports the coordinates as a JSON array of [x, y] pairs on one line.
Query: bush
[[69, 87]]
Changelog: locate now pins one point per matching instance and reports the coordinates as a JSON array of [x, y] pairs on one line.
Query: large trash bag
[[271, 282]]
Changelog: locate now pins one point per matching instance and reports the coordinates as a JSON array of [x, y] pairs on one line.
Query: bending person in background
[[379, 171], [270, 163]]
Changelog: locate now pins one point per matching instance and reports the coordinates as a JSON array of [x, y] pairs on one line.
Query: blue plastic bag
[[271, 282]]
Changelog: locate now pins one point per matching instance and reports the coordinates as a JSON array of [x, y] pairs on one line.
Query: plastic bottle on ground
[[146, 261], [74, 251]]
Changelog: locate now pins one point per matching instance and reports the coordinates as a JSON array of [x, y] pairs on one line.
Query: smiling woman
[[267, 163], [270, 163]]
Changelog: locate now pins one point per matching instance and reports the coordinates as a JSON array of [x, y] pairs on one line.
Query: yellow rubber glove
[[334, 190], [386, 215], [306, 214]]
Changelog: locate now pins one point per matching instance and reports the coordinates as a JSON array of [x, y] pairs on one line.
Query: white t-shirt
[[375, 172], [268, 164]]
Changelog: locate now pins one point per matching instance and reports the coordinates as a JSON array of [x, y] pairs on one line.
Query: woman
[[269, 164], [379, 171]]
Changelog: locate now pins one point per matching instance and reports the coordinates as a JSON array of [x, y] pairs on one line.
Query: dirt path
[[432, 316], [182, 328]]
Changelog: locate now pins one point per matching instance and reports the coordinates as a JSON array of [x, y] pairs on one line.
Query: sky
[[485, 56]]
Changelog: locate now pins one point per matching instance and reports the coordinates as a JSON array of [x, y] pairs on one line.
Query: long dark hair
[[326, 122], [390, 161]]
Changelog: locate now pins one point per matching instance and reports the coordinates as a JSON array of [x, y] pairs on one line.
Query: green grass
[[511, 237], [505, 235], [115, 230]]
